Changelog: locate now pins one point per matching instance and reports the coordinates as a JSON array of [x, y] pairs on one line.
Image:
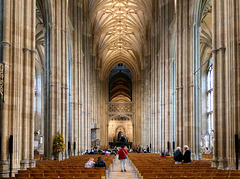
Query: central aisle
[[117, 174]]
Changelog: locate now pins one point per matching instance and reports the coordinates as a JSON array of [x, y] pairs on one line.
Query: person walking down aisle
[[116, 174], [122, 157]]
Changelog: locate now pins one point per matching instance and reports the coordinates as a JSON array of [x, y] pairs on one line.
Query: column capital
[[180, 87], [52, 25], [6, 44], [218, 49], [26, 50]]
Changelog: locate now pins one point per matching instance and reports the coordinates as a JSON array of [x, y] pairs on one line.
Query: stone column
[[155, 78], [28, 67], [6, 45], [56, 60], [80, 74], [184, 22], [146, 103], [226, 90], [75, 72], [32, 162], [16, 113], [63, 70], [219, 48]]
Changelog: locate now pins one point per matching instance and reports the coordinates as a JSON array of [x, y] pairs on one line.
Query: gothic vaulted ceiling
[[119, 29]]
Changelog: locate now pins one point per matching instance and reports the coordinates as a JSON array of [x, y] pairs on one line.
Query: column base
[[65, 155], [223, 164], [231, 166], [59, 156], [72, 153], [214, 162], [194, 156], [15, 171], [50, 157], [4, 168], [24, 164], [32, 163]]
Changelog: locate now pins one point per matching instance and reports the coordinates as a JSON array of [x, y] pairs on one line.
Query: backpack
[[124, 153]]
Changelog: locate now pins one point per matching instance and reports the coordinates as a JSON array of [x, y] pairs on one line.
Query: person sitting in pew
[[148, 149], [91, 151], [86, 153], [90, 163], [103, 152], [162, 155], [95, 151], [100, 163], [168, 154], [187, 155], [178, 156], [112, 152]]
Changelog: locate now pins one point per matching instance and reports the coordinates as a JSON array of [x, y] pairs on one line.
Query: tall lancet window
[[210, 97]]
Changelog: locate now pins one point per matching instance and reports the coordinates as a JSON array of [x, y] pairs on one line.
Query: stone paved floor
[[117, 174]]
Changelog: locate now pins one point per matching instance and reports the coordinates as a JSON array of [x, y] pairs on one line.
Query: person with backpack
[[122, 153], [100, 163]]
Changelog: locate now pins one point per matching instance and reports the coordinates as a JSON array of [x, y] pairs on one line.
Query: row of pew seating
[[151, 166], [69, 168]]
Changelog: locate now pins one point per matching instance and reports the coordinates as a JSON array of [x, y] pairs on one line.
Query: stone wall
[[66, 25]]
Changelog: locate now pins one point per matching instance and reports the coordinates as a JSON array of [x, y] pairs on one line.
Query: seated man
[[100, 163], [112, 152], [86, 153], [138, 150], [178, 156], [95, 151], [187, 155], [91, 151], [148, 149]]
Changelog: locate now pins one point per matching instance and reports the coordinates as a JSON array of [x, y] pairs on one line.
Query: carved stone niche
[[2, 69]]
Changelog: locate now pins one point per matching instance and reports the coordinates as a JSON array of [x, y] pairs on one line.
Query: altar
[[119, 144], [121, 140]]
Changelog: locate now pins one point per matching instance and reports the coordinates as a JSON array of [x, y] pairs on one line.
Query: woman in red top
[[122, 157]]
